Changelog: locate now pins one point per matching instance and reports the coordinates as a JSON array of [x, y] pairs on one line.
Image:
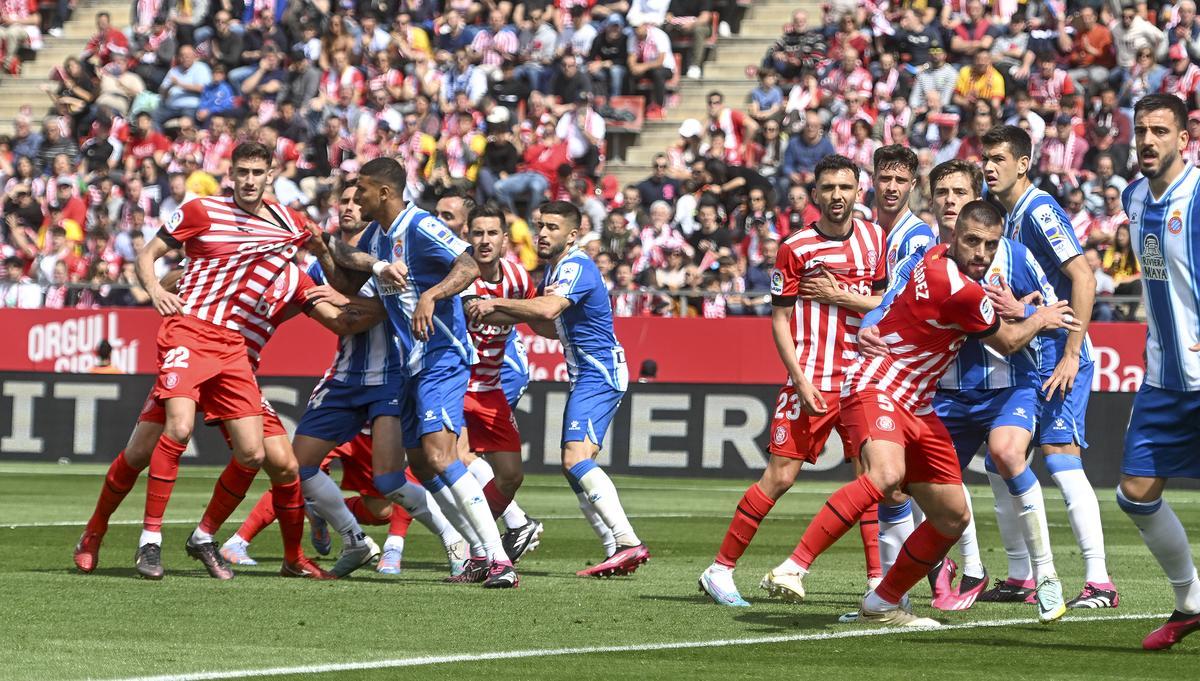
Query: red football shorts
[[490, 423], [929, 454], [208, 365], [154, 412], [796, 434]]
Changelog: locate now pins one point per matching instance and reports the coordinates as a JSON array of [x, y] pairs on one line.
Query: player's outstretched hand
[[821, 287], [316, 241], [1006, 304], [811, 399], [396, 274], [870, 343], [422, 319], [165, 302], [327, 294]]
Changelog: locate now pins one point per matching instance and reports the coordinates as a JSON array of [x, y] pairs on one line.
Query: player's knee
[[250, 458], [775, 486], [886, 478], [179, 430]]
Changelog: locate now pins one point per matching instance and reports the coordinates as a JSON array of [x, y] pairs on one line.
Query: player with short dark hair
[[574, 306], [1162, 439], [1036, 221], [491, 446], [811, 329], [933, 305], [420, 267]]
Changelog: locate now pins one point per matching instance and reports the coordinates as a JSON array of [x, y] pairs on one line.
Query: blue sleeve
[[921, 238], [433, 239], [574, 280], [1127, 196], [903, 272], [316, 273], [1050, 227]]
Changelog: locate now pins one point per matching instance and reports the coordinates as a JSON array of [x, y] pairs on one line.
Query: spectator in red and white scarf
[[1062, 155], [1183, 78]]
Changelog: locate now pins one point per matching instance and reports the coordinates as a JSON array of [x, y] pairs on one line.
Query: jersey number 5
[[177, 358]]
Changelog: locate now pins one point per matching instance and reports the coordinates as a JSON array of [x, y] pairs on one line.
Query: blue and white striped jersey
[[977, 366], [586, 327], [906, 236], [368, 358], [428, 249], [1166, 238], [514, 373], [1039, 224]]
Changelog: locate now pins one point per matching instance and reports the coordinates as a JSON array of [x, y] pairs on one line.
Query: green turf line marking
[[430, 660]]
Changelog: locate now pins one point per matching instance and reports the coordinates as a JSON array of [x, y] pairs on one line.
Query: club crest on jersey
[[171, 380], [885, 423], [776, 283], [781, 435], [1154, 266], [872, 258], [398, 249], [1175, 224], [893, 256], [994, 277]]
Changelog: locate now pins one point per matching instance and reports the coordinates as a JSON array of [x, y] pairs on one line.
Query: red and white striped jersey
[[1182, 86], [827, 335], [489, 339], [924, 327], [291, 286], [234, 258], [1047, 92], [215, 150]]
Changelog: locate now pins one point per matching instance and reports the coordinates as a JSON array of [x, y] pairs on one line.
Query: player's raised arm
[[164, 301], [346, 268]]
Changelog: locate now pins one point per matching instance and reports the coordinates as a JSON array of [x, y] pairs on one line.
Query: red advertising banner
[[736, 350]]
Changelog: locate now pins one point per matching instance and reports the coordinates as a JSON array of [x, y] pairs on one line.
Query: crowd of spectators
[[511, 102]]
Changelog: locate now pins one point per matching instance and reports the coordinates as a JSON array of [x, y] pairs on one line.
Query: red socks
[[363, 514], [120, 479], [262, 515], [840, 512], [923, 549], [164, 467], [229, 491], [754, 506], [869, 528], [288, 504], [399, 522], [496, 499]]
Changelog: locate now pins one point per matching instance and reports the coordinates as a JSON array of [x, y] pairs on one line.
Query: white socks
[[149, 537], [602, 494], [1011, 532], [326, 499], [1165, 537], [394, 542], [791, 566], [1083, 510], [469, 494], [895, 524], [513, 516], [449, 506], [968, 543], [598, 525]]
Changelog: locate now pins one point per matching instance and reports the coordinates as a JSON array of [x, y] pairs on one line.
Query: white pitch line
[[430, 660]]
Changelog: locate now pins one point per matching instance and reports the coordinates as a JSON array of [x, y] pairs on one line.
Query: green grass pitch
[[58, 624]]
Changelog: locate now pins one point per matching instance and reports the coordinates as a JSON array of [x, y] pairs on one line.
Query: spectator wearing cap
[[938, 77], [17, 290], [73, 207], [805, 150], [1093, 55], [942, 136], [1062, 156], [1132, 34], [1183, 77], [660, 186], [650, 56], [979, 80], [608, 59], [690, 22], [1048, 84], [182, 86]]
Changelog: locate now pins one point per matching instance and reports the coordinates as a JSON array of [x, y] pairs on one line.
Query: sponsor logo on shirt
[[986, 310], [1154, 266], [175, 220], [776, 282]]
